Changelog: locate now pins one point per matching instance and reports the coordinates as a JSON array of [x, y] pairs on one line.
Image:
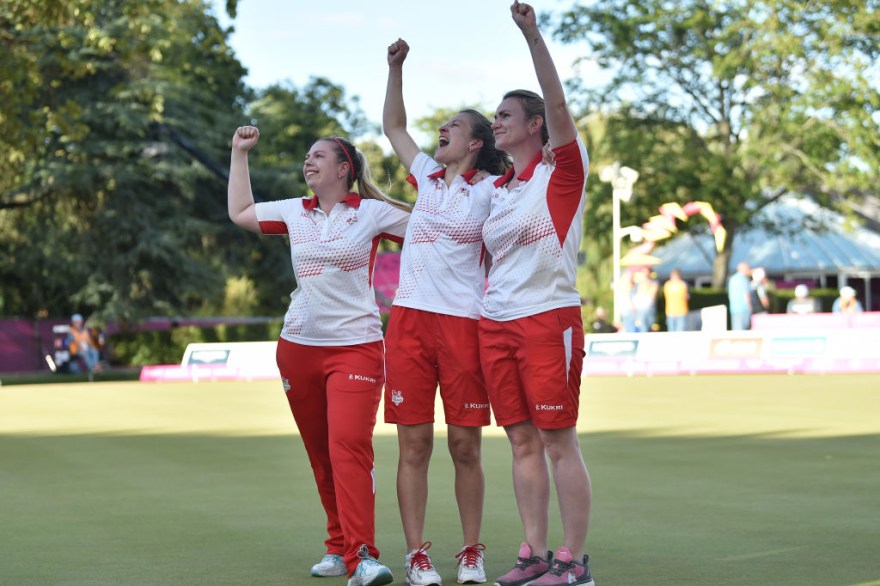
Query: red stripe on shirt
[[273, 227], [566, 188]]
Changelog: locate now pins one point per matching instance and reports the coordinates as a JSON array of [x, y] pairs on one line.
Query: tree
[[100, 210], [767, 97]]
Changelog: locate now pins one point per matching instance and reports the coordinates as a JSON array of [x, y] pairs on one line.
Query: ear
[[344, 170], [535, 124], [475, 145]]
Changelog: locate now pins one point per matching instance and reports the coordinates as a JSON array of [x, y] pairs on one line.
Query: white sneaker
[[470, 564], [331, 565], [419, 569], [369, 571]]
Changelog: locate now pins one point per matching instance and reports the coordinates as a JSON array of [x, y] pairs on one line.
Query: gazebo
[[794, 240]]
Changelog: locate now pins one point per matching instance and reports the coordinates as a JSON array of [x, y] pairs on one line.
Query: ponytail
[[360, 172], [489, 159]]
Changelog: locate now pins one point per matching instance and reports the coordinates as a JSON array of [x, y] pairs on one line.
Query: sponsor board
[[793, 351], [611, 347], [218, 361]]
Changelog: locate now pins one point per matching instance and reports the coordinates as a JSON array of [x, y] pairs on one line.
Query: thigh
[[551, 371], [500, 346], [410, 366], [465, 399], [355, 375], [303, 377]]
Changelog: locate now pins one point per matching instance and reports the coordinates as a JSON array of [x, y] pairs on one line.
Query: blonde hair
[[346, 152]]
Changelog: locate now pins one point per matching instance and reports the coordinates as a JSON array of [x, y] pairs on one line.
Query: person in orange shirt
[[675, 292], [82, 345]]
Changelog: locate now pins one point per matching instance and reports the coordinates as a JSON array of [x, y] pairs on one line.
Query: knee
[[416, 451], [526, 443], [465, 451], [559, 444]]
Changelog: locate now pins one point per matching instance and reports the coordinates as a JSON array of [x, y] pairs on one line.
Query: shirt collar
[[526, 173], [352, 199], [467, 175]]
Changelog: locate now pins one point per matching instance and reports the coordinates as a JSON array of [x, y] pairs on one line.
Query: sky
[[463, 53]]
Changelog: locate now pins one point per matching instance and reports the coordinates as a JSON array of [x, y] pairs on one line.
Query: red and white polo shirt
[[333, 258]]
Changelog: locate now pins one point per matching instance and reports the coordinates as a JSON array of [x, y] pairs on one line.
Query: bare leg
[[531, 483], [573, 488], [416, 444], [470, 484]]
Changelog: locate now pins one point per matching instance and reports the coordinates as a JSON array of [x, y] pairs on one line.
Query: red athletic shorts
[[423, 349], [532, 367]]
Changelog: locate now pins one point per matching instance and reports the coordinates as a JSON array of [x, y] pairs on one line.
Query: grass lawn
[[707, 480]]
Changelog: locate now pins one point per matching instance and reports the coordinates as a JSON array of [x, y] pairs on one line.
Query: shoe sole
[[382, 579], [526, 583]]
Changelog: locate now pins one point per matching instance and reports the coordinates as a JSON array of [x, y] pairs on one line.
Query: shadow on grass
[[170, 509]]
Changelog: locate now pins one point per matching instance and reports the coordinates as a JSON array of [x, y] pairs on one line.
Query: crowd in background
[[749, 292]]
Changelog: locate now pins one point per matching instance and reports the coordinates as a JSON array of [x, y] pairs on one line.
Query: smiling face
[[322, 167], [456, 140], [511, 125]]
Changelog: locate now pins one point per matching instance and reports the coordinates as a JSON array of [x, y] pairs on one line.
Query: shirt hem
[[441, 310], [324, 342], [526, 312]]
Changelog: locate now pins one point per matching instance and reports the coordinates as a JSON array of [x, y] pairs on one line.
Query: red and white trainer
[[470, 564], [419, 569]]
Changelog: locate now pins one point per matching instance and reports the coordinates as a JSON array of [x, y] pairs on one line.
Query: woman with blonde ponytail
[[330, 353], [365, 186]]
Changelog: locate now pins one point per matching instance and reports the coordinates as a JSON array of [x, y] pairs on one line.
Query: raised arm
[[560, 124], [240, 197], [394, 112]]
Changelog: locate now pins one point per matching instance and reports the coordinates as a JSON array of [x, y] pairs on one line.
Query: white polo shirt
[[333, 259], [533, 234], [441, 266]]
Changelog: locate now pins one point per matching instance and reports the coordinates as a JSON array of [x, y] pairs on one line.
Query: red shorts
[[532, 367], [423, 349]]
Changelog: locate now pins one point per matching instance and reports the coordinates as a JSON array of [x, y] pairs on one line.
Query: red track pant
[[334, 393]]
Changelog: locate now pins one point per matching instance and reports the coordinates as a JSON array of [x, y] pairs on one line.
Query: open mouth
[[442, 141]]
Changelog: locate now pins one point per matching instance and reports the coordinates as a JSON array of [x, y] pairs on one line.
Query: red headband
[[347, 156]]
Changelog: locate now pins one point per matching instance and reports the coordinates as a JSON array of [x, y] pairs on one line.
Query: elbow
[[392, 128]]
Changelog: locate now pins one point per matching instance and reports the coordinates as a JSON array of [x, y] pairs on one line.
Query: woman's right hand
[[523, 15], [245, 138], [397, 52]]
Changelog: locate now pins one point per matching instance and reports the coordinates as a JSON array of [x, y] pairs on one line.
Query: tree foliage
[[735, 103], [102, 210], [116, 121]]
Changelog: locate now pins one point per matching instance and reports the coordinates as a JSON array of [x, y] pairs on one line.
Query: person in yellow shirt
[[675, 292]]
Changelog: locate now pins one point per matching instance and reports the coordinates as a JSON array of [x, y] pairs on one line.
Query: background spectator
[[739, 297], [802, 302], [760, 296], [676, 295], [85, 351], [601, 325], [847, 302], [644, 300]]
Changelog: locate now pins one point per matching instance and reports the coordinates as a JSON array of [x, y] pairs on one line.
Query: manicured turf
[[715, 481]]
